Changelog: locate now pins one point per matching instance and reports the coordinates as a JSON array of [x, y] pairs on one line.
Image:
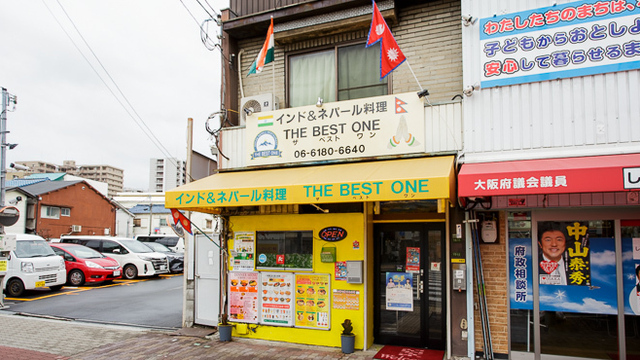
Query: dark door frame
[[424, 340]]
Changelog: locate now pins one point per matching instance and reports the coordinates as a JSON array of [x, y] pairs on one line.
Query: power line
[[204, 34], [148, 132], [212, 9], [205, 9]]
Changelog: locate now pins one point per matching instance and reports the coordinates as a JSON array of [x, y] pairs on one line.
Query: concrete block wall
[[430, 37], [428, 34], [494, 262]]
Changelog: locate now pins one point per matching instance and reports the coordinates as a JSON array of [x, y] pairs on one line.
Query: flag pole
[[273, 73], [415, 77], [414, 74]]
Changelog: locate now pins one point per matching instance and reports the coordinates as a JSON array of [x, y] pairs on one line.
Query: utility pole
[[188, 305], [150, 214], [7, 99], [5, 245]]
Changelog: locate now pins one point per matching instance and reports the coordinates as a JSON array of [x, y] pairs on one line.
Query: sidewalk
[[27, 338]]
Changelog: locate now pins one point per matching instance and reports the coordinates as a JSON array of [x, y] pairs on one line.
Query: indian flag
[[265, 55], [265, 121]]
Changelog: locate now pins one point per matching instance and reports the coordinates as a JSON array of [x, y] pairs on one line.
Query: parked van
[[173, 242], [33, 265], [135, 258]]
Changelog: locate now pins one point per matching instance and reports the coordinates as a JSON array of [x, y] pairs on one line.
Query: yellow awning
[[390, 180]]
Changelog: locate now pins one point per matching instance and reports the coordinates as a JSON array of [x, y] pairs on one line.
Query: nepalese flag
[[178, 217], [265, 55], [390, 54]]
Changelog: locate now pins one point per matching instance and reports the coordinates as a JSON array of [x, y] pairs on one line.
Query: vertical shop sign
[[413, 259], [243, 296], [276, 299], [521, 286], [579, 272], [312, 301], [243, 251], [399, 291]]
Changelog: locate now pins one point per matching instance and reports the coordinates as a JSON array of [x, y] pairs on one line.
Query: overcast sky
[[153, 51]]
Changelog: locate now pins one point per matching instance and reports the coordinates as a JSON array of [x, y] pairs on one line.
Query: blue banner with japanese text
[[561, 41]]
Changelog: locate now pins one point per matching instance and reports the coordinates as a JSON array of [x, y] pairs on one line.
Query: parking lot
[[148, 302]]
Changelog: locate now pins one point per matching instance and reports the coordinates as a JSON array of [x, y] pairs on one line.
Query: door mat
[[390, 352]]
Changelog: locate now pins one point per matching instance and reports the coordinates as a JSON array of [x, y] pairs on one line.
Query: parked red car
[[86, 265]]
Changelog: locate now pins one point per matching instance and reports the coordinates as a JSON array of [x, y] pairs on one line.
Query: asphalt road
[[154, 302]]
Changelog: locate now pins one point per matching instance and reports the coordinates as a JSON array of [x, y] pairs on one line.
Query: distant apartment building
[[166, 174], [39, 167], [111, 175]]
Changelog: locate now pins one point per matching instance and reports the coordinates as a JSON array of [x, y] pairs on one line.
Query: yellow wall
[[355, 226]]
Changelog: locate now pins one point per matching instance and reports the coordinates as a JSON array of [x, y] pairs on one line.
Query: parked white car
[[173, 242], [33, 265], [135, 258]]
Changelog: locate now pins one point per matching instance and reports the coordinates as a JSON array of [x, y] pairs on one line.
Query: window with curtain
[[341, 73]]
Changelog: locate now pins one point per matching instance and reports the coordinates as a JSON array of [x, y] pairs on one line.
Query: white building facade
[[166, 174], [552, 146]]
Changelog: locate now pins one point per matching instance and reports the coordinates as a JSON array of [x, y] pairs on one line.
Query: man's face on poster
[[553, 244]]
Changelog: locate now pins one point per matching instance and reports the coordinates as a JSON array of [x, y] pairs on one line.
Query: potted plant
[[348, 338], [224, 328]]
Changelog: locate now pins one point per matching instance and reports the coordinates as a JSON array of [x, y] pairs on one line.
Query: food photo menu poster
[[276, 299], [312, 301], [243, 296]]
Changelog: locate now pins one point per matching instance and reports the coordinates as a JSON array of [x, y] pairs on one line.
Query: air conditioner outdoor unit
[[76, 228], [255, 104]]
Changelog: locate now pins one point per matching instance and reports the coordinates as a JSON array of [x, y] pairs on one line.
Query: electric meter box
[[7, 243], [354, 272]]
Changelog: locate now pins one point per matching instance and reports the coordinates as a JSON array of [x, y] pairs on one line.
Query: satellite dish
[[9, 215]]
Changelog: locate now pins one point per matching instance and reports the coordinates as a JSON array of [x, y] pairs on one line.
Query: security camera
[[468, 20], [468, 90], [16, 200]]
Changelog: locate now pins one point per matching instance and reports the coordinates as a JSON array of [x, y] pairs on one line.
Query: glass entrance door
[[409, 278]]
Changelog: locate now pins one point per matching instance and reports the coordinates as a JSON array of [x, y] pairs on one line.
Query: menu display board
[[276, 299], [243, 251], [243, 296], [312, 301], [346, 299]]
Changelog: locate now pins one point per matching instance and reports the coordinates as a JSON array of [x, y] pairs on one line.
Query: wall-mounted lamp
[[468, 20], [470, 89], [423, 93], [320, 102], [319, 208], [248, 111]]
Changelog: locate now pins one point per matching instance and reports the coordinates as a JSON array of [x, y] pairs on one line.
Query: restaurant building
[[551, 167], [336, 188]]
